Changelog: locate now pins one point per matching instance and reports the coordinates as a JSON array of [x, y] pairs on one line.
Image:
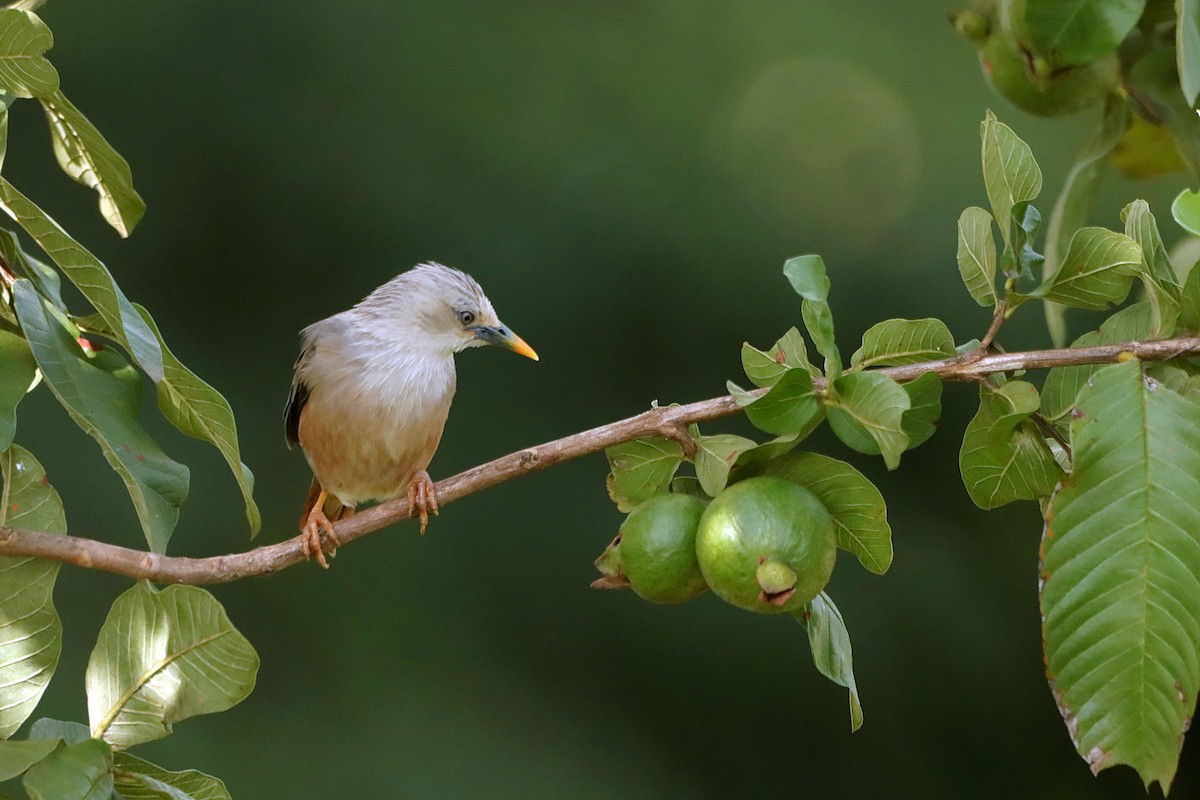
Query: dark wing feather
[[295, 402]]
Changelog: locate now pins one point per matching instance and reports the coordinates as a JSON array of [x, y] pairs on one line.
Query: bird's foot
[[311, 544], [422, 498]]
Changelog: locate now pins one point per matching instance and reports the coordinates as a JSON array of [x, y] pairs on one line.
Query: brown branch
[[671, 421]]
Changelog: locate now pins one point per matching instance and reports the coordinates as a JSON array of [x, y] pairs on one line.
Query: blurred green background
[[625, 180]]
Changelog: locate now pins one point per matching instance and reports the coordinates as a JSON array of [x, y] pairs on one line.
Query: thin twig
[[271, 558]]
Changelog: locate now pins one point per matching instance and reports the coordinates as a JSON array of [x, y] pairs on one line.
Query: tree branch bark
[[666, 421]]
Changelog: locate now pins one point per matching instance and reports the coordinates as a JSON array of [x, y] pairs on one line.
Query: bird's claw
[[310, 541], [422, 498]]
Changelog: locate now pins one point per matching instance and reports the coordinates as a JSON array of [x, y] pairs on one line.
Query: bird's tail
[[333, 508]]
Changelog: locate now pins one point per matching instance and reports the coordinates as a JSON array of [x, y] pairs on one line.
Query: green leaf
[[17, 373], [44, 277], [740, 396], [80, 771], [87, 157], [829, 642], [685, 484], [1120, 575], [1157, 275], [91, 277], [23, 40], [715, 456], [896, 342], [16, 757], [641, 469], [1079, 31], [1010, 173], [1141, 226], [69, 732], [137, 779], [1189, 305], [858, 510], [1063, 383], [199, 410], [808, 277], [1004, 457], [30, 630], [791, 406], [925, 408], [1075, 200], [764, 368], [161, 657], [780, 445], [103, 396], [3, 132], [1154, 81], [1186, 211], [870, 403], [1020, 259], [977, 255], [1097, 271], [1147, 150], [1187, 40]]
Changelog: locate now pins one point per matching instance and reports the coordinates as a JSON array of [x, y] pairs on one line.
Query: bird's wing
[[296, 399]]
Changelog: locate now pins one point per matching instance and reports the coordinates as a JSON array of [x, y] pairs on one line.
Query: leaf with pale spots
[[1121, 574], [30, 630], [641, 469], [87, 157]]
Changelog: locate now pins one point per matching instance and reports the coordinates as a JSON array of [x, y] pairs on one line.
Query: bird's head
[[445, 309]]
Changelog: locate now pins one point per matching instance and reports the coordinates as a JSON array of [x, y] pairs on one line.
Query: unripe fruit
[[766, 544], [655, 552], [1036, 86]]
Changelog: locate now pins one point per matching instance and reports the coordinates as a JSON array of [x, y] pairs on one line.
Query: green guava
[[1038, 87], [655, 552], [766, 545]]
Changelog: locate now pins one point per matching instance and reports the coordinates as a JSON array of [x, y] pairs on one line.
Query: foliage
[[161, 656], [1110, 452], [1107, 450]]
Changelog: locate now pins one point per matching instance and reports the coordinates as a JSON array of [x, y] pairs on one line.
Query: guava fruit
[[766, 544], [1040, 88], [655, 552]]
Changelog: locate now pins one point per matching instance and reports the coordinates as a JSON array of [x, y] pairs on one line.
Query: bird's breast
[[369, 425]]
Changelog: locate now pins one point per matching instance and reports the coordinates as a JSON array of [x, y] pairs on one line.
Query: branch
[[666, 421]]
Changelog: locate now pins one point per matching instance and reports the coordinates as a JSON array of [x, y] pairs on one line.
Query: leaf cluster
[[161, 656]]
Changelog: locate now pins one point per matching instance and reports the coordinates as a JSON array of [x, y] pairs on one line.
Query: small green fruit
[[1036, 86], [655, 552], [767, 545]]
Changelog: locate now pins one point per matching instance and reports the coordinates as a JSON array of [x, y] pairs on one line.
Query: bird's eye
[[466, 317]]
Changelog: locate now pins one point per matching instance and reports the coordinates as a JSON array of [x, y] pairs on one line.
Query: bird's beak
[[505, 338]]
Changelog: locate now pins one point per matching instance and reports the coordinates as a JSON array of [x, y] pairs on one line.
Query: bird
[[372, 391]]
